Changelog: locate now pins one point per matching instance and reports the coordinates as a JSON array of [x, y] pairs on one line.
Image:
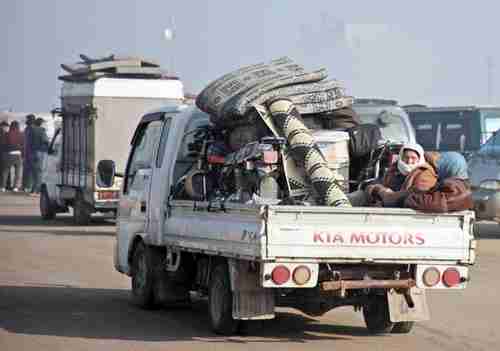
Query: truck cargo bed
[[324, 234]]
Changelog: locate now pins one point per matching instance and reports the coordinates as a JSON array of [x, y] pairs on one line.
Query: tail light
[[451, 277], [280, 275], [431, 276], [216, 159], [108, 195], [270, 157], [301, 275]]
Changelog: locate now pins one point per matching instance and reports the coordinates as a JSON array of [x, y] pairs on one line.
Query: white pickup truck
[[251, 258]]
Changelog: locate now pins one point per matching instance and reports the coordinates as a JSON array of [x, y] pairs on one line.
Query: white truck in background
[[251, 258], [98, 121]]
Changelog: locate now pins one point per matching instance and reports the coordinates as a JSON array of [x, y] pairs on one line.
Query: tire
[[220, 301], [81, 212], [47, 209], [402, 327], [144, 262], [376, 315]]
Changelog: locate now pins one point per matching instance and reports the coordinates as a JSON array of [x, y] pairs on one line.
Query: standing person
[[13, 157], [40, 145], [28, 154], [4, 127]]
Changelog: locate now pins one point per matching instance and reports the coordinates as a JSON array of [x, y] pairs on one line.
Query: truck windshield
[[491, 123], [392, 121]]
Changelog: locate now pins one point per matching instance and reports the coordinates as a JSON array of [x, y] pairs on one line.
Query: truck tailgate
[[368, 234]]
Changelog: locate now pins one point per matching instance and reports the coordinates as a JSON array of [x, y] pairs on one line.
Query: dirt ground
[[59, 291]]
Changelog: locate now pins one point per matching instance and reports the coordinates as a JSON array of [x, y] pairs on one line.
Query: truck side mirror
[[106, 170]]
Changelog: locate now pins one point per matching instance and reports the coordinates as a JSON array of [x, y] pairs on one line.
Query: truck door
[[159, 181], [134, 202]]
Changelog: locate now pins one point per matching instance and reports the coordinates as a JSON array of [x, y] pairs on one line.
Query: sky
[[427, 52]]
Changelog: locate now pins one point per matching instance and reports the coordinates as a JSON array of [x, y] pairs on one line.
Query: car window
[[187, 155], [143, 150], [491, 121], [453, 136], [163, 142], [426, 134], [393, 121]]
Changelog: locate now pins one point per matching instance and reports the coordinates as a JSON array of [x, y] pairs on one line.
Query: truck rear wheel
[[47, 209], [81, 212], [142, 269], [220, 301], [402, 327], [376, 315]]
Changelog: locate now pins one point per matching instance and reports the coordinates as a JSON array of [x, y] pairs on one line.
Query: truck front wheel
[[220, 301], [142, 269], [376, 315]]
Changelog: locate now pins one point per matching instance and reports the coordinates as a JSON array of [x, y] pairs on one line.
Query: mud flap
[[250, 299], [399, 311]]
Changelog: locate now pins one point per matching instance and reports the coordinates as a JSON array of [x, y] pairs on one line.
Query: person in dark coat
[[40, 145], [4, 127], [453, 192], [28, 154]]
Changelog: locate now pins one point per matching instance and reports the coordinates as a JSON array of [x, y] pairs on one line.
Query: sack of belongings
[[363, 139], [453, 194]]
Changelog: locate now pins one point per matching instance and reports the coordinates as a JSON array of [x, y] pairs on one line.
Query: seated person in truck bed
[[452, 193], [410, 174], [448, 164]]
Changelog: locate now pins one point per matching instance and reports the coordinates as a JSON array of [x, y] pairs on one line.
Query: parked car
[[484, 174]]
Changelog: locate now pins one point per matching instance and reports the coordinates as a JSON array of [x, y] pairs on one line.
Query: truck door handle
[[143, 206]]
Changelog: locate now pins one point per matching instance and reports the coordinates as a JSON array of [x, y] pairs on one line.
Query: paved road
[[59, 291]]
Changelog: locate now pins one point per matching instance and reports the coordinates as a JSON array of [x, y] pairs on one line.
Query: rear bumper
[[106, 205]]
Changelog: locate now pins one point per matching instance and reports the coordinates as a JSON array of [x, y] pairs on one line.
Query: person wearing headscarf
[[453, 193], [448, 164], [410, 174]]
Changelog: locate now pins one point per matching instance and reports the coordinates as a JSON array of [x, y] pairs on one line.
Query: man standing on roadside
[[4, 128], [40, 145], [13, 158], [28, 154]]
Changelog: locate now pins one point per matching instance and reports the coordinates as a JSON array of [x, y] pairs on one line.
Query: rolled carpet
[[306, 154]]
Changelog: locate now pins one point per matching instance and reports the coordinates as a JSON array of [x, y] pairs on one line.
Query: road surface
[[59, 291]]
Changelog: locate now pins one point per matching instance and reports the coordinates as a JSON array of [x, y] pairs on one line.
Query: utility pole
[[170, 34], [489, 78]]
